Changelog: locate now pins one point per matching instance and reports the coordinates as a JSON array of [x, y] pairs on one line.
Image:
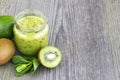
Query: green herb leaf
[[24, 64], [25, 70], [35, 65], [21, 67], [19, 59], [16, 65]]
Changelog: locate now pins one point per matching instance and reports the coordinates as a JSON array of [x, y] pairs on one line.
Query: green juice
[[31, 34]]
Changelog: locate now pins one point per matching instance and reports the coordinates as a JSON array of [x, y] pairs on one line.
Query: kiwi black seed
[[50, 56]]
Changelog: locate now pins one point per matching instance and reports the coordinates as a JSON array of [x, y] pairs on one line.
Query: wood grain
[[86, 31]]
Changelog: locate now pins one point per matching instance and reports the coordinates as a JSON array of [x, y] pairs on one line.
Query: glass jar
[[30, 31]]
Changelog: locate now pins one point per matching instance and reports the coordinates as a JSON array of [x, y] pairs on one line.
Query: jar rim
[[30, 12]]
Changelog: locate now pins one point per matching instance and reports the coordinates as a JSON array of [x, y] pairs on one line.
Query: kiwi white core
[[51, 56]]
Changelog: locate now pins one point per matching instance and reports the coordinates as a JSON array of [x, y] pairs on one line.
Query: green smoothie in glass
[[30, 32]]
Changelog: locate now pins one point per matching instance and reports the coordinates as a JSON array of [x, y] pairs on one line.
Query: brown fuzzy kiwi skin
[[39, 58], [43, 64], [7, 50]]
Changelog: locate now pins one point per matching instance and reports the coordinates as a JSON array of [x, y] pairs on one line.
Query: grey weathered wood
[[86, 31]]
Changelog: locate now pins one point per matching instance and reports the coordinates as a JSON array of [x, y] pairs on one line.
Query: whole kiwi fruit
[[7, 50]]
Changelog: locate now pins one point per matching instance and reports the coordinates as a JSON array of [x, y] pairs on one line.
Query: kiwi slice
[[50, 56]]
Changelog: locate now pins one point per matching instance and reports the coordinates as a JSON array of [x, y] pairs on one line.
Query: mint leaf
[[18, 74], [24, 64], [35, 65], [19, 59], [21, 67]]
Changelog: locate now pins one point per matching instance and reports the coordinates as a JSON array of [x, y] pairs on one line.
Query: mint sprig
[[24, 64]]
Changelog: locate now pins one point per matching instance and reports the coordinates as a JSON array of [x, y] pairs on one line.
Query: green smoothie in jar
[[30, 32]]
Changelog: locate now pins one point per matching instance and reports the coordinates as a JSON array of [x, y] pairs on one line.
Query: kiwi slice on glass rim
[[50, 56]]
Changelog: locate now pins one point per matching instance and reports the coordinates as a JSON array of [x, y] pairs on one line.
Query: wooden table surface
[[86, 31]]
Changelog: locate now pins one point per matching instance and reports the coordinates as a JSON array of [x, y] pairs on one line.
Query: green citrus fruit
[[6, 26]]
